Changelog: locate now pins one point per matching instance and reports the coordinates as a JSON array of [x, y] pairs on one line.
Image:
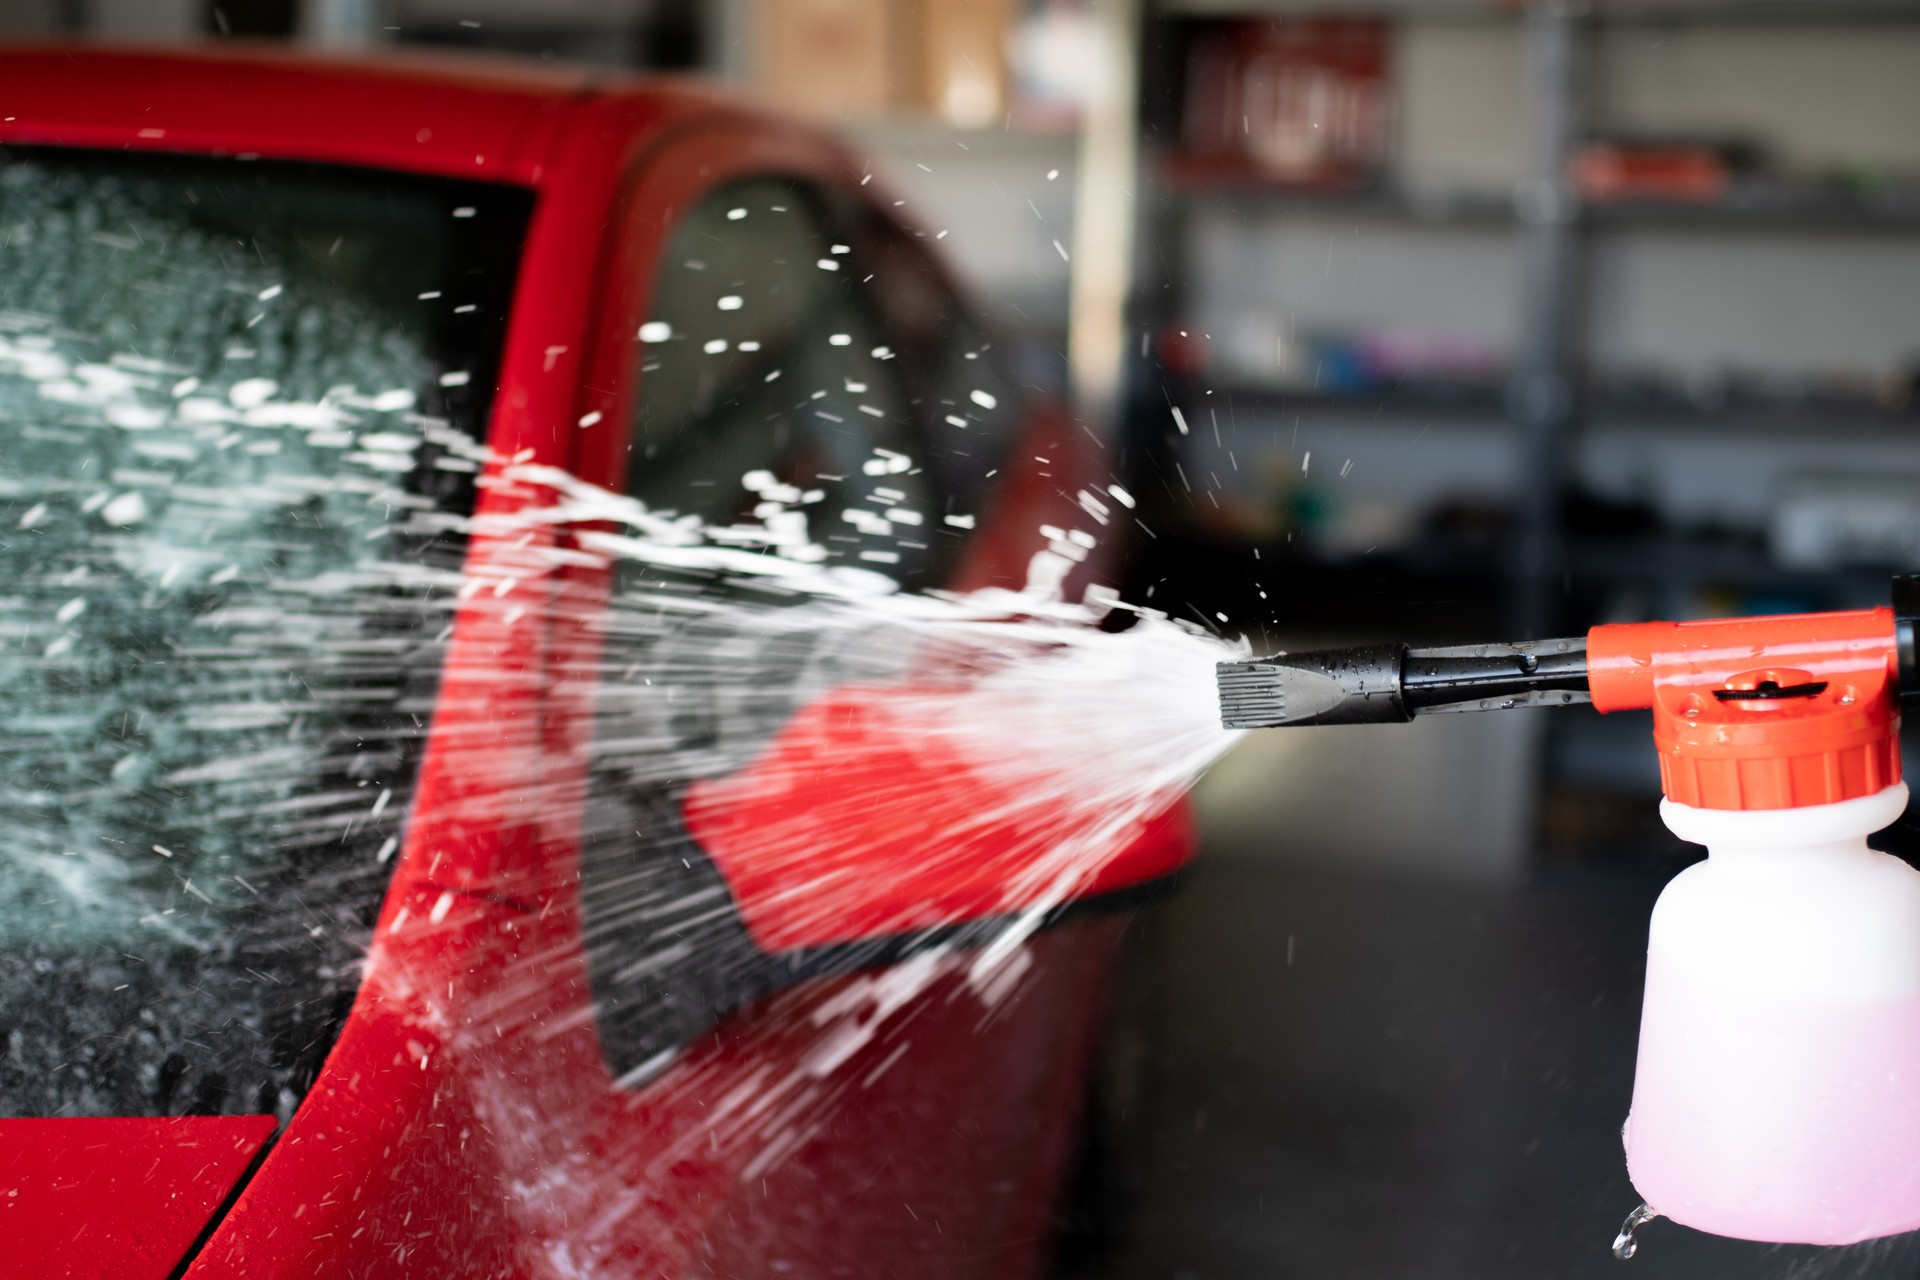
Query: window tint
[[769, 390]]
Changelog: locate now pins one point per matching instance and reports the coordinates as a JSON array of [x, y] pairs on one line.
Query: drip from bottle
[[1624, 1244]]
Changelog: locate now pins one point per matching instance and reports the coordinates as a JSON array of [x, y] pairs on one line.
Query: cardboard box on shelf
[[858, 59], [963, 59], [832, 59]]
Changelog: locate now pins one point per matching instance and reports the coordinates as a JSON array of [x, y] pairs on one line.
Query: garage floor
[[1324, 1074]]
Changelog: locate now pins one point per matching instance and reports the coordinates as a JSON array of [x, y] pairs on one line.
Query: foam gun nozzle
[[1773, 1095], [1615, 667]]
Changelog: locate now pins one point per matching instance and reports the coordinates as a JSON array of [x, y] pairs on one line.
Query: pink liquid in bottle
[[1776, 1118]]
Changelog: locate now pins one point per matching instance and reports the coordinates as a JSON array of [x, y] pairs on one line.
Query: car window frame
[[662, 183]]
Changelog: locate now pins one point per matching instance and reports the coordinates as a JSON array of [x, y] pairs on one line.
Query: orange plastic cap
[[1760, 713]]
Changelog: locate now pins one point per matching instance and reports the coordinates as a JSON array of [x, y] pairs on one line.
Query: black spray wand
[[1390, 683]]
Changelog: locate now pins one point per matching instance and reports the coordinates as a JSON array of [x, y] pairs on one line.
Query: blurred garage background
[[1431, 320]]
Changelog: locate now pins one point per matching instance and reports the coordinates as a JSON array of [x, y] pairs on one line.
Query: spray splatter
[[803, 720], [268, 673]]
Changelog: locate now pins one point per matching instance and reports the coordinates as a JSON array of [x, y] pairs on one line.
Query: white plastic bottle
[[1777, 1093]]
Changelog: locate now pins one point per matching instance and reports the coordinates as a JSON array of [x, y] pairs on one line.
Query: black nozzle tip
[[1253, 694], [1325, 686]]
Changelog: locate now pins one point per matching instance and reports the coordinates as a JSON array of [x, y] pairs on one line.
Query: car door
[[794, 1082]]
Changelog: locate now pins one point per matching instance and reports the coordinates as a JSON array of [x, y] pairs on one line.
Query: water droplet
[[1624, 1244]]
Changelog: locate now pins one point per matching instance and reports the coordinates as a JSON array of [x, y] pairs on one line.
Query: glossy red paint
[[466, 1122], [116, 1198], [421, 115]]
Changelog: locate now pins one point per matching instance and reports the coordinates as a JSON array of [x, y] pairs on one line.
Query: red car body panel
[[895, 1121], [420, 116], [863, 804], [139, 1190]]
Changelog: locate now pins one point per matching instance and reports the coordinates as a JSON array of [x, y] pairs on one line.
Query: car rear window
[[238, 399]]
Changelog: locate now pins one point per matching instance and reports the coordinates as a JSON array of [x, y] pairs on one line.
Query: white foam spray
[[233, 612]]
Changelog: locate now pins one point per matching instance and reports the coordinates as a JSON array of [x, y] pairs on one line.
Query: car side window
[[967, 403], [768, 391], [768, 387], [804, 365]]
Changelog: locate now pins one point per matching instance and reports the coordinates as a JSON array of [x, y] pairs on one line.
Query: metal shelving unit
[[1768, 209], [1543, 400], [1247, 191], [1599, 12], [1733, 414]]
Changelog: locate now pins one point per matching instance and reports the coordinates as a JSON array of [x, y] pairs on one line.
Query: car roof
[[452, 114]]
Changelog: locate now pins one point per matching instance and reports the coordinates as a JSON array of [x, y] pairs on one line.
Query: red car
[[348, 926]]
